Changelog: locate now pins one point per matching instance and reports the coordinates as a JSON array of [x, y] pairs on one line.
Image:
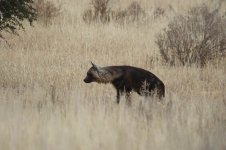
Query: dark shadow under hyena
[[126, 79]]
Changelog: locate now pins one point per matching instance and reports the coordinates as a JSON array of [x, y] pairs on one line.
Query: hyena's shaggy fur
[[127, 79]]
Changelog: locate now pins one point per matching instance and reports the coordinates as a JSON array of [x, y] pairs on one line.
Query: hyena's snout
[[88, 79]]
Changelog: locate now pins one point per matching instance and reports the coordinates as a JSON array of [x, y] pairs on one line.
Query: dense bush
[[194, 38], [13, 13]]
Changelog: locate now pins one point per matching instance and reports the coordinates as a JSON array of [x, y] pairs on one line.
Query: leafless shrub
[[119, 15], [194, 38], [46, 11], [99, 12], [133, 13], [88, 16], [158, 12]]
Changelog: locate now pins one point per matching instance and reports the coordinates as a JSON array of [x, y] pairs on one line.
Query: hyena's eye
[[90, 75]]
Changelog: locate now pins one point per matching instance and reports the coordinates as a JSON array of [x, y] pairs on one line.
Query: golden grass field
[[44, 103]]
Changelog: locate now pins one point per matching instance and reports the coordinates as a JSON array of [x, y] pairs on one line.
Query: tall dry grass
[[44, 103]]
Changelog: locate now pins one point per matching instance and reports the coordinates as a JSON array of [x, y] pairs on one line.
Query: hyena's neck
[[108, 74]]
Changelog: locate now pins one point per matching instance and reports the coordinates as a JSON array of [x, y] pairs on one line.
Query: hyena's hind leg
[[160, 90]]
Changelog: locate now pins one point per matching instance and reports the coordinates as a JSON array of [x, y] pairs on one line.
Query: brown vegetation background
[[44, 103]]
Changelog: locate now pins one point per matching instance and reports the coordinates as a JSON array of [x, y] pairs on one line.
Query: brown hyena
[[126, 79]]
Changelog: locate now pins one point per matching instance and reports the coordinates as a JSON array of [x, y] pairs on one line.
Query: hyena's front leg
[[118, 96]]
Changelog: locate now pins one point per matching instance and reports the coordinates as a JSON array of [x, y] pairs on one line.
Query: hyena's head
[[101, 74], [92, 74]]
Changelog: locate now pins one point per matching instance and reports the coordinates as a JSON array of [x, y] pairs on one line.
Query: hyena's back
[[136, 79]]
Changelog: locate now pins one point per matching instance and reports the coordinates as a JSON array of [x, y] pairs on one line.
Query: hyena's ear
[[95, 66]]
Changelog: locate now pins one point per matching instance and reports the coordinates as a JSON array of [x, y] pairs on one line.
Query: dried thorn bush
[[46, 11], [100, 12], [195, 38], [158, 12], [132, 14]]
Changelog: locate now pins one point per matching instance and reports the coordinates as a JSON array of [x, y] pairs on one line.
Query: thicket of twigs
[[100, 11], [195, 38], [46, 11]]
